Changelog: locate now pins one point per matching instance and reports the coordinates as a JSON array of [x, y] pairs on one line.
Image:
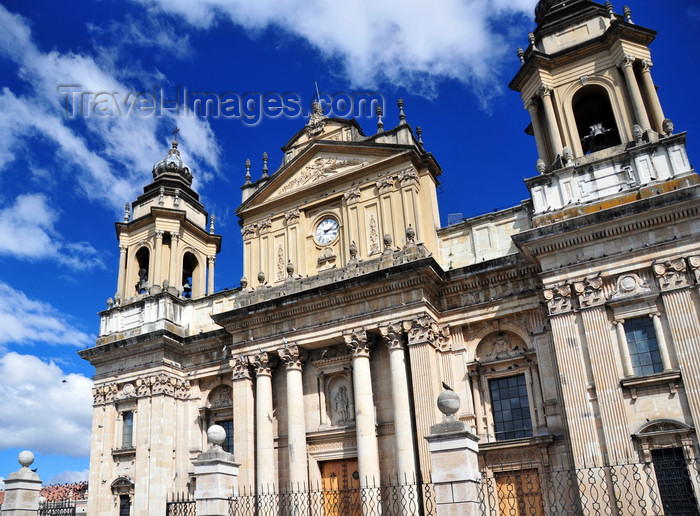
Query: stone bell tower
[[601, 134], [165, 244]]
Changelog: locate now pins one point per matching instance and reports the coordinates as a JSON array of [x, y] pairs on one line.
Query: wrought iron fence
[[181, 505], [62, 508], [388, 500], [659, 487]]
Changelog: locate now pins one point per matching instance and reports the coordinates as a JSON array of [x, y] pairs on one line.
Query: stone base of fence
[[22, 489]]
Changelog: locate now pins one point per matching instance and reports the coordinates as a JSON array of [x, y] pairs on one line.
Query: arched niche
[[143, 266], [190, 282], [595, 119], [500, 345]]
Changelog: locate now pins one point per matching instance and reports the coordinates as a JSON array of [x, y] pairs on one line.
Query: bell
[[597, 137]]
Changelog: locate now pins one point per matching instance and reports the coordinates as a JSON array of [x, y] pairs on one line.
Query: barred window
[[511, 407], [643, 347]]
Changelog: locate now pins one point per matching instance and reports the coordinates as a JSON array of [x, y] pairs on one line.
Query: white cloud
[[27, 231], [70, 477], [408, 43], [44, 409], [121, 149], [24, 320]]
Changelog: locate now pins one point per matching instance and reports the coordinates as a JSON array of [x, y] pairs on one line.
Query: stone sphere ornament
[[25, 458], [216, 435], [448, 402]]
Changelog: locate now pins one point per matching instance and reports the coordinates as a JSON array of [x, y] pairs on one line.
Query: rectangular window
[[511, 408], [643, 347], [127, 429], [227, 425]]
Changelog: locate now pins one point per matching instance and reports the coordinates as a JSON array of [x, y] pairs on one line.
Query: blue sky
[[64, 179]]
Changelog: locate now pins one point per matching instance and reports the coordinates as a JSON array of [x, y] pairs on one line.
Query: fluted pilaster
[[607, 383]]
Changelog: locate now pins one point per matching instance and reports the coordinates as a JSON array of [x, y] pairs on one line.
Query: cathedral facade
[[568, 324]]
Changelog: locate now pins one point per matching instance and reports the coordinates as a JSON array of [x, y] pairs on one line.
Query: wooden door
[[341, 488], [519, 493]]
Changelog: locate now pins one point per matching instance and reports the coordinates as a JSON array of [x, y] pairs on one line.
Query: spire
[[380, 123]]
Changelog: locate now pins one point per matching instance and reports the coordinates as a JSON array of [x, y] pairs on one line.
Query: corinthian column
[[545, 93], [158, 259], [531, 106], [640, 114], [650, 91], [172, 274], [211, 260], [403, 422], [121, 272], [365, 425], [296, 428], [265, 443], [243, 420]]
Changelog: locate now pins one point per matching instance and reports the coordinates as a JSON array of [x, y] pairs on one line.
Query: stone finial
[[419, 132], [353, 250], [380, 122], [448, 403], [216, 435], [25, 458], [531, 38], [247, 171], [290, 268], [521, 56], [609, 7], [667, 126], [211, 224], [638, 133], [410, 234], [244, 282], [264, 170], [567, 156], [110, 302], [127, 212], [261, 277], [402, 116], [628, 14], [388, 240], [541, 166]]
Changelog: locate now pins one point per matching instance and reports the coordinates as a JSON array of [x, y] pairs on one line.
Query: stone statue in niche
[[341, 403]]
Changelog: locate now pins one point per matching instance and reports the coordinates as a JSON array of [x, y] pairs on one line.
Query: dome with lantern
[[172, 166]]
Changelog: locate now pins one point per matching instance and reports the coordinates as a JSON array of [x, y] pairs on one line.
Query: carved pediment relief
[[500, 346], [319, 169]]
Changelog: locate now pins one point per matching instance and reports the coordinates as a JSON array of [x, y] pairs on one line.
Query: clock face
[[326, 231]]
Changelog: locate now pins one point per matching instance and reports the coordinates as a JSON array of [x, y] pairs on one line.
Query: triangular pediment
[[318, 165], [320, 168]]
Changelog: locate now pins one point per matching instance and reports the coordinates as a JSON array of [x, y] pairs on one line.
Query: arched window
[[595, 120], [142, 261], [189, 270]]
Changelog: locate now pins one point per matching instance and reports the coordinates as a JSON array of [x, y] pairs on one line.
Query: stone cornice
[[421, 273], [606, 224]]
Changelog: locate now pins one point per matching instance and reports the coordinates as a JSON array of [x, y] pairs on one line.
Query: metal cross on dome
[[175, 133]]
